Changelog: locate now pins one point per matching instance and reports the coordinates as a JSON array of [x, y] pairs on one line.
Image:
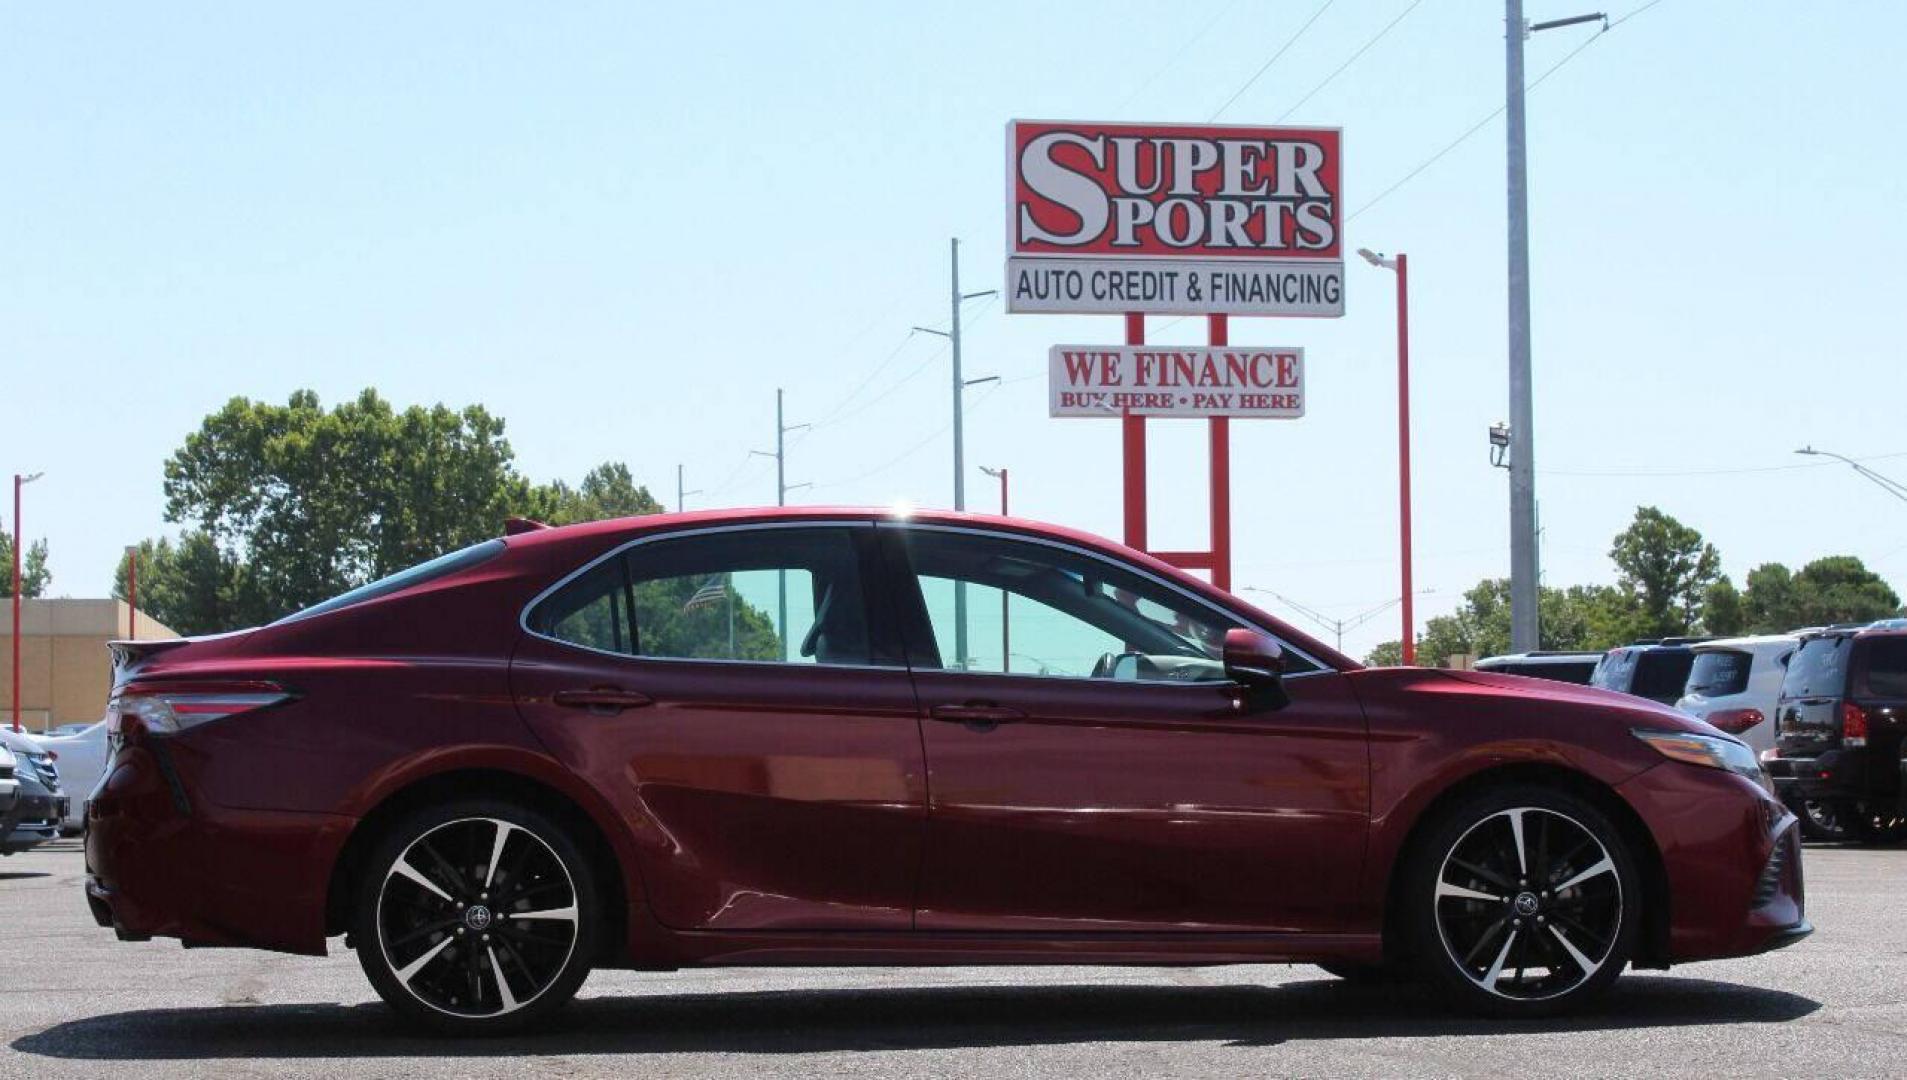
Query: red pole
[[1403, 449], [1006, 640], [1221, 440], [132, 594], [17, 481], [1134, 433]]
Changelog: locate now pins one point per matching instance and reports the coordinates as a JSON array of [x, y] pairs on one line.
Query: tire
[[1823, 821], [477, 916], [1483, 918], [1878, 828]]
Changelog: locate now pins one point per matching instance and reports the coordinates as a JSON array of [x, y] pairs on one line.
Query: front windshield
[[404, 579]]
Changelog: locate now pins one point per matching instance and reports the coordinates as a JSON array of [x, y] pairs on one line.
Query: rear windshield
[[1717, 672], [1819, 667], [1886, 667], [1661, 673], [440, 566]]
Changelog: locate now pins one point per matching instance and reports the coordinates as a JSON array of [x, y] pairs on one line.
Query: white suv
[[1735, 683]]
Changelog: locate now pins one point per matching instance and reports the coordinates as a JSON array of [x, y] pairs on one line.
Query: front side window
[[1015, 607], [765, 595]]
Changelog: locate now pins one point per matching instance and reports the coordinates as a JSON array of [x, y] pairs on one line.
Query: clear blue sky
[[621, 226]]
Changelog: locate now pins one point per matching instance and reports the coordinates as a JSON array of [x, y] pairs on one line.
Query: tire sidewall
[[1426, 862], [399, 837]]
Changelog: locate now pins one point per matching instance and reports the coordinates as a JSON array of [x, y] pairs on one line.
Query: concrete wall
[[65, 670]]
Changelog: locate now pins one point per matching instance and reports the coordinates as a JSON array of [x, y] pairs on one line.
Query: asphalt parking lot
[[79, 1003]]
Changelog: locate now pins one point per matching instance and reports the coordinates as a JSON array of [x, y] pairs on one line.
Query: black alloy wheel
[[477, 916], [1524, 901]]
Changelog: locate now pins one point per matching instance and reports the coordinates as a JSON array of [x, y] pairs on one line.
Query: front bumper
[[32, 819], [1731, 857], [162, 862]]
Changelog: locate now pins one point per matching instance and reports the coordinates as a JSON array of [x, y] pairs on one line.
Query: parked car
[[82, 760], [38, 806], [1840, 721], [1656, 670], [9, 786], [1735, 684], [710, 739], [69, 729], [1569, 667]]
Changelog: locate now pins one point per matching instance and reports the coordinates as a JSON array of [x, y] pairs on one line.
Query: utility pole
[[679, 493], [782, 488], [1525, 632], [960, 384], [18, 539], [1006, 635]]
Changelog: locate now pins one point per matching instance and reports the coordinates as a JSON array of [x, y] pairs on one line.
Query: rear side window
[[1885, 666], [441, 566], [1615, 670], [1819, 667], [1661, 673], [1719, 672], [764, 595]]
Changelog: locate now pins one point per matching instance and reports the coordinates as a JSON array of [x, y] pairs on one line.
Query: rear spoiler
[[127, 653], [515, 525]]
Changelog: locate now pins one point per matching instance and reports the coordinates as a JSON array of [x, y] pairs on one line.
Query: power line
[[1172, 64], [1366, 47], [1496, 112], [1643, 473], [1282, 49]]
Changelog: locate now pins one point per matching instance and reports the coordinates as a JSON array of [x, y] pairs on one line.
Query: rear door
[[738, 694], [1878, 687], [1089, 769]]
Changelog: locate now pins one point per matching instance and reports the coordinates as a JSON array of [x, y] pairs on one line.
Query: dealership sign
[[1174, 219], [1190, 381]]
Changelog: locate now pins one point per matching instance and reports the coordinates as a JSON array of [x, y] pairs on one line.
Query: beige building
[[65, 670]]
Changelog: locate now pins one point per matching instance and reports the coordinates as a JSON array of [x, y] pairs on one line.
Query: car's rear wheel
[[1879, 826], [1523, 901], [476, 916]]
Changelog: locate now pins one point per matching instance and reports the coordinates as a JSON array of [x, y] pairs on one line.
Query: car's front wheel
[[1523, 901], [475, 916]]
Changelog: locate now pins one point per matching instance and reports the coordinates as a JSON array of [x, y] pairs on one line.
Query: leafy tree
[[1836, 588], [607, 491], [34, 576], [1723, 612], [1579, 617], [1665, 568], [194, 587]]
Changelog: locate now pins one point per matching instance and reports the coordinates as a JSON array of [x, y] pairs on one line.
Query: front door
[[736, 694], [1088, 767]]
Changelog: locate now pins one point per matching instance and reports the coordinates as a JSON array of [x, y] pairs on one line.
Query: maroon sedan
[[841, 737]]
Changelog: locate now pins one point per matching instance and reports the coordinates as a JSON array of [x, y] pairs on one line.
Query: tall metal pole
[[18, 480], [1403, 453], [781, 499], [1524, 629], [960, 451], [132, 593], [678, 487]]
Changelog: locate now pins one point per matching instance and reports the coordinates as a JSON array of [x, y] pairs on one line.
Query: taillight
[[168, 708], [1853, 724], [1736, 721]]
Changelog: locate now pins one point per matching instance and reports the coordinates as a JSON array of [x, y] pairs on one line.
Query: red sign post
[[1139, 219]]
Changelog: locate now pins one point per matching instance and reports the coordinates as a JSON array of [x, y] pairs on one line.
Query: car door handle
[[979, 715], [604, 700]]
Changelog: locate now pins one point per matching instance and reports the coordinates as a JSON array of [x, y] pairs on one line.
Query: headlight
[[1708, 750]]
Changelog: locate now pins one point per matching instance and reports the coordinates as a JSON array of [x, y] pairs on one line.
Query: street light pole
[[1006, 639], [1891, 486], [1401, 264], [18, 483], [132, 593]]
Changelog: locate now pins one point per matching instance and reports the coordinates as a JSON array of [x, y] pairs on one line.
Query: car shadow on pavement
[[908, 1018]]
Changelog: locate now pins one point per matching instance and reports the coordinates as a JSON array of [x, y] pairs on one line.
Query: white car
[[82, 759], [1735, 683]]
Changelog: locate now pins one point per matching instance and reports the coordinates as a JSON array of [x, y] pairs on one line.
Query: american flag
[[711, 593]]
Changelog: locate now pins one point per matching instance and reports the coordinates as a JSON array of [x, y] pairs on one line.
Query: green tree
[[607, 491], [194, 587], [1836, 588], [34, 576], [1665, 568], [1723, 612], [1579, 617]]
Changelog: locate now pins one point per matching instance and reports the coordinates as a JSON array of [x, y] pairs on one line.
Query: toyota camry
[[804, 737]]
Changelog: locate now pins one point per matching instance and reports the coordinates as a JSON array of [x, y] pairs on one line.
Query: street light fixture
[[18, 483], [1401, 267], [1892, 487]]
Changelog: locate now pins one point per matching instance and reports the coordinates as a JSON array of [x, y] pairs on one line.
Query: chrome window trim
[[1032, 538], [523, 616]]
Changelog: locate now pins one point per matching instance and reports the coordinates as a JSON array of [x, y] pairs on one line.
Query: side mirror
[[1256, 663]]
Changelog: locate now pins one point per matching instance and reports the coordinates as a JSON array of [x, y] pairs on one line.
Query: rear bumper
[[1731, 855], [1835, 776], [162, 863], [29, 820]]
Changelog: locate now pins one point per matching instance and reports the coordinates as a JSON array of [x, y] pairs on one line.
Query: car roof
[[1541, 656], [1750, 641], [633, 527]]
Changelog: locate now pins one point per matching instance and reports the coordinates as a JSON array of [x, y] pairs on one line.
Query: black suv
[[1838, 729], [1656, 670]]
